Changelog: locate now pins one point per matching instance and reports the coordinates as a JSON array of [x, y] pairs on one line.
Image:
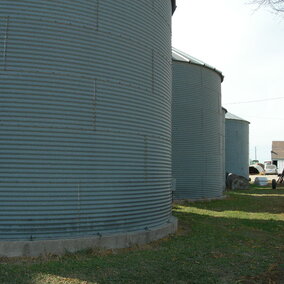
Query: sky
[[247, 45]]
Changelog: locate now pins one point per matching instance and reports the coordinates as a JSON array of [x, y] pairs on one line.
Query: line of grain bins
[[85, 122], [197, 118], [237, 145]]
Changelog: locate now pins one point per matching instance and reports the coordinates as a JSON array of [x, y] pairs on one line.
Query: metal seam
[[153, 72], [97, 15], [6, 44], [146, 157], [95, 103]]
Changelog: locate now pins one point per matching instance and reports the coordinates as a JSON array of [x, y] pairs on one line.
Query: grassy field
[[237, 240]]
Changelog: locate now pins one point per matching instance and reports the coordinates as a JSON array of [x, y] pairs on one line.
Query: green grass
[[236, 240]]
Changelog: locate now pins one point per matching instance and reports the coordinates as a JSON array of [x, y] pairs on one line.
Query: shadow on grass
[[251, 201], [264, 221], [205, 250], [238, 240]]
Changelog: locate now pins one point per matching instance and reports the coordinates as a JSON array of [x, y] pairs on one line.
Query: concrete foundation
[[62, 246], [200, 199]]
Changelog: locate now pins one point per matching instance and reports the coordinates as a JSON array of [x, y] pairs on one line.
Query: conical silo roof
[[178, 55]]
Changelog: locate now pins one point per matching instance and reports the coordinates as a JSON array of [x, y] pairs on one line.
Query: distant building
[[277, 155]]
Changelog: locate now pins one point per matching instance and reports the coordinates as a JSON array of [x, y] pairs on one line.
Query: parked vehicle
[[270, 170], [256, 170]]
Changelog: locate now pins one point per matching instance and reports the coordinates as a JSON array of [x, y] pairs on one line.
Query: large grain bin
[[237, 145], [85, 123], [197, 150], [223, 143]]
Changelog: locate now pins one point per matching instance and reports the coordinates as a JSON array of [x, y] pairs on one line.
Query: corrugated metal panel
[[237, 146], [197, 154], [85, 117]]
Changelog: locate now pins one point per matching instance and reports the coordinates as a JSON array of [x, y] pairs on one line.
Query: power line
[[256, 101], [265, 118]]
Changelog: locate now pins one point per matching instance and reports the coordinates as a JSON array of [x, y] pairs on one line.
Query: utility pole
[[255, 156]]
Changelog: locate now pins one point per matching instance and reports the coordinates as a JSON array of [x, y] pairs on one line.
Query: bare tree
[[275, 5]]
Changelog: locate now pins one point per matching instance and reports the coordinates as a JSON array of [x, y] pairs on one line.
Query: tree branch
[[276, 5]]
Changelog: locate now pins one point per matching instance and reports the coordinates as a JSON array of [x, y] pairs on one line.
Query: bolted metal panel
[[85, 117], [197, 152], [237, 145]]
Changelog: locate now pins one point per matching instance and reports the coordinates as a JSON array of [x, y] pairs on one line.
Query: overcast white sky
[[247, 45]]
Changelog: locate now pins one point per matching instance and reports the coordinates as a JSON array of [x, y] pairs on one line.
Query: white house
[[277, 155]]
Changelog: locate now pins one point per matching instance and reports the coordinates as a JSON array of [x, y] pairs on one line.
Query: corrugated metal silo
[[197, 151], [223, 143], [237, 145], [85, 117]]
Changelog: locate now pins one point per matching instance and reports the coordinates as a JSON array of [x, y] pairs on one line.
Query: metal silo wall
[[237, 147], [85, 117], [196, 125], [222, 146]]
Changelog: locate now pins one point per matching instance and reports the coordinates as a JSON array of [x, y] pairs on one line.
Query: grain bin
[[237, 145], [197, 151], [85, 125], [223, 143]]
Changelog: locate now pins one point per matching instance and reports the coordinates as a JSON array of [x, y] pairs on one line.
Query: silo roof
[[178, 55], [234, 117], [224, 109], [174, 5]]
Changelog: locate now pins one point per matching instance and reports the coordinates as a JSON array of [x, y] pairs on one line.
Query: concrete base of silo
[[63, 246], [198, 199]]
